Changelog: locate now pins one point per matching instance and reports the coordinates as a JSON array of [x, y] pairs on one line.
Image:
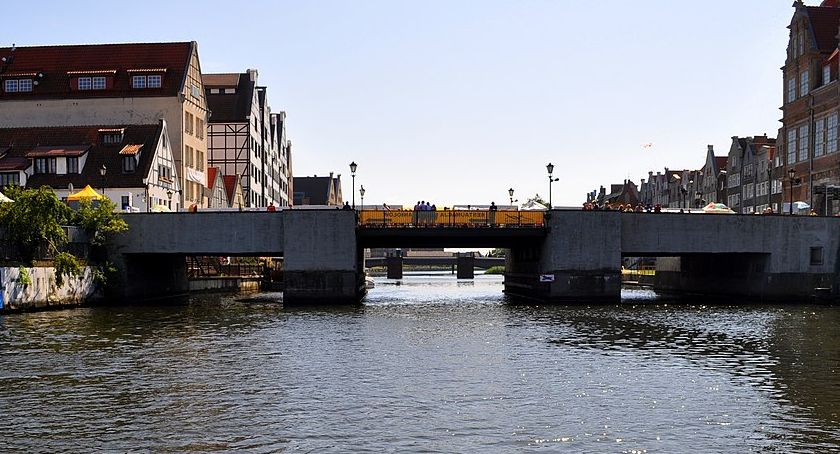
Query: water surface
[[432, 365]]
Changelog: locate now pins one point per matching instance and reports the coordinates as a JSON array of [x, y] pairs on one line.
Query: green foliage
[[68, 265], [499, 269], [23, 276], [99, 220], [498, 252], [34, 219]]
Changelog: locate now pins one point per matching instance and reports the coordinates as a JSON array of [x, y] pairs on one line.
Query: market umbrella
[[4, 199], [86, 193], [158, 208], [717, 208]]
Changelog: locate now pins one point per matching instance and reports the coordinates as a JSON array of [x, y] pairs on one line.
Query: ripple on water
[[430, 365]]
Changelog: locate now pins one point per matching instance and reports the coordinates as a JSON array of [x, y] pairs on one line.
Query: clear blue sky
[[457, 101]]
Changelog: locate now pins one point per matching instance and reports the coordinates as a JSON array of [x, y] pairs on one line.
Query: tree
[[34, 220]]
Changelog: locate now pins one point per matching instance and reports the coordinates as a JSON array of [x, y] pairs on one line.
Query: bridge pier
[[323, 262], [578, 262], [394, 264], [465, 265]]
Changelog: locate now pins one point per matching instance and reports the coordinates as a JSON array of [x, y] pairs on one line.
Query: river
[[431, 365]]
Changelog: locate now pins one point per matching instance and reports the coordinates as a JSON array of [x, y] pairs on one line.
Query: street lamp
[[791, 176], [169, 195], [510, 192], [102, 171], [362, 193], [353, 174], [550, 168]]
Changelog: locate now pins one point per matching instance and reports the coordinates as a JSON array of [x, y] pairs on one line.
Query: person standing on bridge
[[491, 215]]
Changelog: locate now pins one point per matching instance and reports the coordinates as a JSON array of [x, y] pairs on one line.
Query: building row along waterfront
[[122, 87], [804, 166]]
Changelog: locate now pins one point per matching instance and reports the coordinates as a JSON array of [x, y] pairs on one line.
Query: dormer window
[[111, 139], [92, 83], [826, 74], [17, 85], [152, 81], [112, 136], [129, 164]]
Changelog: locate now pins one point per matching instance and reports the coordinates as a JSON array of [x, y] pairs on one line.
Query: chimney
[[252, 75], [711, 148]]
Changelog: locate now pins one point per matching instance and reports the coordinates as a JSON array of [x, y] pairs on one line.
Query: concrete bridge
[[574, 256]]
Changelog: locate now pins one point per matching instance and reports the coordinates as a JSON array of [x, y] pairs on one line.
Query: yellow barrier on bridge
[[451, 218]]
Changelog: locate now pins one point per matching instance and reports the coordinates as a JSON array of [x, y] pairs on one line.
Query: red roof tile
[[230, 185], [22, 141], [57, 150], [211, 177], [59, 64]]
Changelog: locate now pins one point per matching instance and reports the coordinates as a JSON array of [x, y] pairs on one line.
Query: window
[[188, 155], [791, 90], [17, 85], [803, 143], [188, 123], [138, 82], [112, 139], [801, 43], [804, 83], [831, 142], [84, 83], [819, 137], [9, 178], [791, 145], [826, 74], [10, 86], [816, 256], [199, 128], [125, 203], [45, 165], [72, 165], [129, 165], [154, 81], [98, 83], [194, 91]]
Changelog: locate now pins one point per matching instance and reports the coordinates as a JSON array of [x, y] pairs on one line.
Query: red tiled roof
[[59, 64], [211, 177], [220, 80], [13, 163], [231, 181], [720, 162], [824, 25], [131, 149], [22, 141]]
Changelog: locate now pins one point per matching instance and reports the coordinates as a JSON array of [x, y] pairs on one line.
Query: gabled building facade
[[317, 190], [247, 140], [113, 84], [133, 165], [811, 98], [713, 186]]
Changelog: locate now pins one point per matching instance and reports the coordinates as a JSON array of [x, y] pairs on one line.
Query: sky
[[456, 101]]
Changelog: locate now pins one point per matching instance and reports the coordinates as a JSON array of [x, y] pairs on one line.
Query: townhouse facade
[[811, 98], [317, 190], [247, 140], [114, 85]]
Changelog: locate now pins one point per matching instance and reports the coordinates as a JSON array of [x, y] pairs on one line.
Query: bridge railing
[[451, 218]]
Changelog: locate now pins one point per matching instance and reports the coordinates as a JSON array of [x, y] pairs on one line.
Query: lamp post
[[169, 195], [697, 196], [510, 193], [551, 179], [362, 194], [791, 176], [353, 174], [102, 171]]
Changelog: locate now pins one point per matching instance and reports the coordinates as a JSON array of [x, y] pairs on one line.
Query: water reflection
[[433, 364]]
